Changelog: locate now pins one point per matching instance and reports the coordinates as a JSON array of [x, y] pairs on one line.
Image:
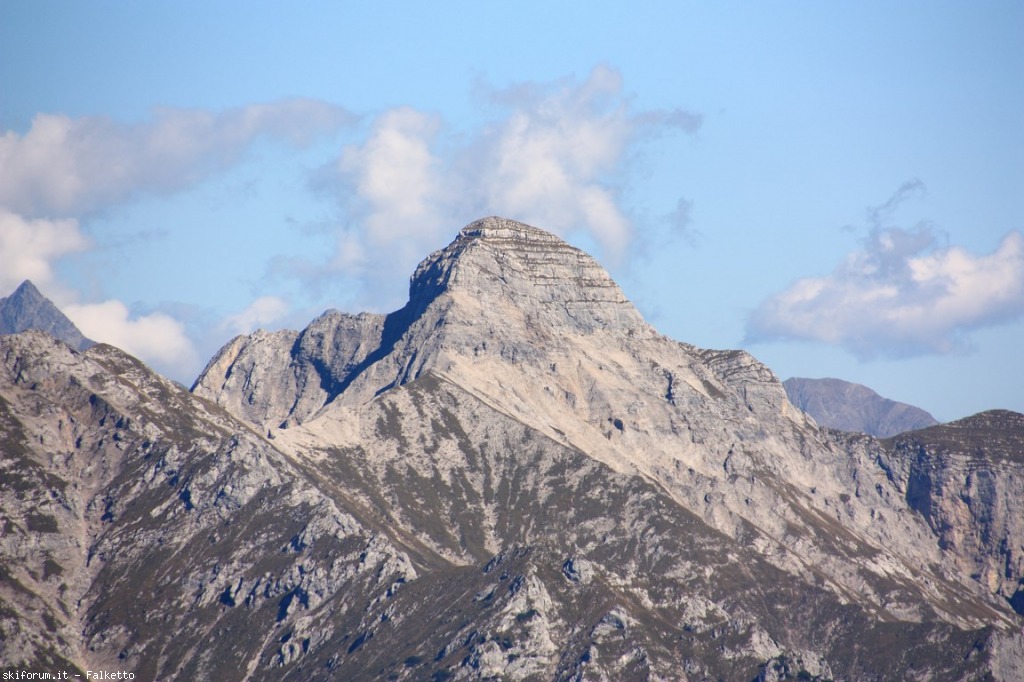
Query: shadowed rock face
[[851, 407], [513, 477], [26, 309]]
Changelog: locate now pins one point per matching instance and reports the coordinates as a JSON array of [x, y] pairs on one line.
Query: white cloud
[[28, 248], [553, 158], [156, 338], [553, 155], [261, 312], [396, 184], [551, 161], [901, 295], [66, 166]]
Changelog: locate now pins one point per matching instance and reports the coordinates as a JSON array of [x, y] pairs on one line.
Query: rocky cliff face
[[852, 407], [964, 479], [27, 308], [513, 477]]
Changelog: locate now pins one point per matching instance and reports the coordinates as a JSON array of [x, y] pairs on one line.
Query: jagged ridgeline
[[513, 477]]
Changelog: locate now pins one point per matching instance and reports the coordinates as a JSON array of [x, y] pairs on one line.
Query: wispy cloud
[[903, 293], [65, 166], [679, 222], [554, 156]]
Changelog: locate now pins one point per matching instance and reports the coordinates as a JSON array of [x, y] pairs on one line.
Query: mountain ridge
[[487, 349], [514, 476]]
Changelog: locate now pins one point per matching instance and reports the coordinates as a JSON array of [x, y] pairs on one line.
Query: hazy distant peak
[[847, 406], [26, 308], [28, 291]]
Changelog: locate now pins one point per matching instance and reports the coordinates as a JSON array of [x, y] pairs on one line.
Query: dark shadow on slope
[[426, 285]]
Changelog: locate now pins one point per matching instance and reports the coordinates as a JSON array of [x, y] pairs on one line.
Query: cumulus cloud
[[902, 294], [261, 312], [156, 338], [552, 154], [553, 157], [28, 248], [65, 166], [554, 160], [394, 183]]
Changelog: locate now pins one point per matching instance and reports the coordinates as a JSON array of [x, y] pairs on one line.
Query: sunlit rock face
[[512, 477]]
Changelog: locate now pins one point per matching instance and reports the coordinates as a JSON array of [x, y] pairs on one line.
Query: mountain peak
[[501, 292], [504, 267], [1001, 431], [852, 407], [519, 403], [27, 308], [27, 291], [496, 228]]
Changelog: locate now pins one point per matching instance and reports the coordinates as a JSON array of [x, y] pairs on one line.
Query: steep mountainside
[[538, 331], [145, 530], [513, 477], [27, 308], [852, 407]]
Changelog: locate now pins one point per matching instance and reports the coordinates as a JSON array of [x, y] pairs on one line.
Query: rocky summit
[[513, 477]]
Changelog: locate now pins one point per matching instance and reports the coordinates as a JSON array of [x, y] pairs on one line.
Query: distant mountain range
[[852, 407], [27, 309], [513, 477]]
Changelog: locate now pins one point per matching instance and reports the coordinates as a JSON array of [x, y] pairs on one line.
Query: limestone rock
[[138, 518]]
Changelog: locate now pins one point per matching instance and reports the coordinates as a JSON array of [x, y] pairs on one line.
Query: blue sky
[[833, 186]]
